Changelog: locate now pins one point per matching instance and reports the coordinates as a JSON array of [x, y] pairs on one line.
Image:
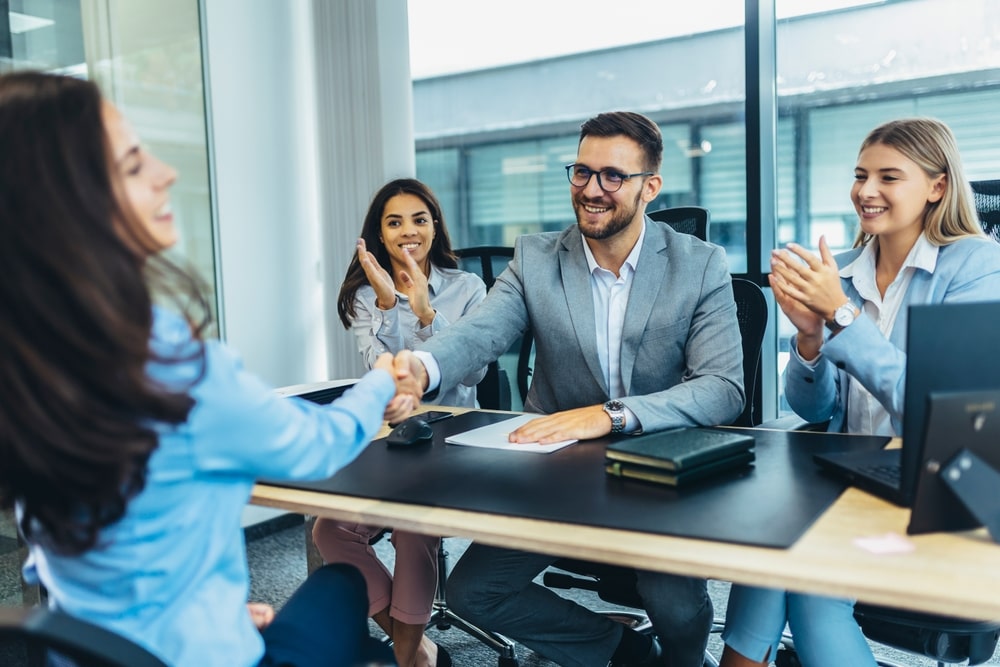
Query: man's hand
[[407, 397], [578, 424], [409, 368]]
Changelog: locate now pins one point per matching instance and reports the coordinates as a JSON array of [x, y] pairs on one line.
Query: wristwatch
[[843, 317], [616, 410]]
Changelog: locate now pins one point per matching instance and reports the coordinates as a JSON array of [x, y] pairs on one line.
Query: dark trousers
[[325, 624]]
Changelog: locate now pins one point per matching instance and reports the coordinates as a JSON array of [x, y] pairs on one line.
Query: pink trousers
[[409, 592]]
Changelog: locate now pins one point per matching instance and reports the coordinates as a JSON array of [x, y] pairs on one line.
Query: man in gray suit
[[635, 330]]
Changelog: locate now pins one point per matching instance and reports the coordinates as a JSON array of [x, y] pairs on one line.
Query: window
[[146, 56], [504, 121]]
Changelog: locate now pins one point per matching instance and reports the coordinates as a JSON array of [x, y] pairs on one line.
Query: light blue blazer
[[681, 356], [966, 270]]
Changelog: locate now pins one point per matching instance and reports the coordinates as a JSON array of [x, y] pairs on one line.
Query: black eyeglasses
[[608, 180]]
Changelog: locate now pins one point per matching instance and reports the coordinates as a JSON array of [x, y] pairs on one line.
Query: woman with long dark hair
[[402, 286], [128, 444]]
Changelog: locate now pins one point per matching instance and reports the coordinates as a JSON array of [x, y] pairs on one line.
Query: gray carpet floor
[[278, 565]]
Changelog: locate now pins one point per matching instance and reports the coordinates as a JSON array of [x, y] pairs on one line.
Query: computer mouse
[[413, 431]]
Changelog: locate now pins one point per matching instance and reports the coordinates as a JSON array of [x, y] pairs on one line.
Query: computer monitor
[[951, 347], [959, 493]]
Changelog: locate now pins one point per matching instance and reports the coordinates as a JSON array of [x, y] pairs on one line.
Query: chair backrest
[[692, 220], [751, 311], [39, 630], [987, 195], [493, 392]]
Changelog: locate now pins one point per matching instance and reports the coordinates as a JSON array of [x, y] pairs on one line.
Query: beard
[[620, 218]]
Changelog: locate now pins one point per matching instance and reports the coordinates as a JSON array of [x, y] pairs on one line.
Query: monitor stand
[[974, 482]]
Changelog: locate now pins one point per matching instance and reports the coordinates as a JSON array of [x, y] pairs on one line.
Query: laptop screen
[[949, 347]]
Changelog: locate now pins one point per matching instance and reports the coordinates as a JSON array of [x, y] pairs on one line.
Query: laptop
[[323, 393], [950, 347]]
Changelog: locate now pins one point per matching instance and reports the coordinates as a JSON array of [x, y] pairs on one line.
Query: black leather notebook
[[679, 478], [679, 449]]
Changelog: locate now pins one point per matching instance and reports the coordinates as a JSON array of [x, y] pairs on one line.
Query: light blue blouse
[[966, 270], [172, 573]]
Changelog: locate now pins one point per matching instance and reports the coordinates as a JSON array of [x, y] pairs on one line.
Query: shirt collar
[[435, 280], [923, 255], [631, 261]]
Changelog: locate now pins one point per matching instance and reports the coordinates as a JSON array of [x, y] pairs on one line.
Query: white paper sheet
[[495, 436]]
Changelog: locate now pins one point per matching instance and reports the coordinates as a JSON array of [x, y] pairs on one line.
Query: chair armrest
[[82, 642]]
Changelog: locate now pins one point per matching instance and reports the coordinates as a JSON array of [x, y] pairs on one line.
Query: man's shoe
[[653, 659]]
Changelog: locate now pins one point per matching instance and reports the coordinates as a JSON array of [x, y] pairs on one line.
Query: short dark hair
[[629, 124]]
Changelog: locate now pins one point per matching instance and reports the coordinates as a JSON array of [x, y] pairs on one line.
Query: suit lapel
[[646, 285], [580, 300]]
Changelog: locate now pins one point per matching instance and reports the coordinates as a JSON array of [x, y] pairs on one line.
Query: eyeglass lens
[[608, 180]]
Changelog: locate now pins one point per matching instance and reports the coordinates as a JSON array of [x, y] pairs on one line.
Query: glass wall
[[146, 56], [493, 140]]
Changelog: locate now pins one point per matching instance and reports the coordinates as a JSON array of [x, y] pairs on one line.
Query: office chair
[[494, 391], [987, 196], [751, 312], [692, 220], [27, 634]]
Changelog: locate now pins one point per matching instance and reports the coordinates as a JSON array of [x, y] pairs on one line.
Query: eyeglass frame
[[600, 181]]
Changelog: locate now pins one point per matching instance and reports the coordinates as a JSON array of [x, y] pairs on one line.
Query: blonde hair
[[931, 145]]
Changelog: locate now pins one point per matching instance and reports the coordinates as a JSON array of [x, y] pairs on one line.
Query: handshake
[[411, 382]]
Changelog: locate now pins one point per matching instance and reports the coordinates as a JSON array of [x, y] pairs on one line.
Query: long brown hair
[[930, 144], [77, 409], [441, 254]]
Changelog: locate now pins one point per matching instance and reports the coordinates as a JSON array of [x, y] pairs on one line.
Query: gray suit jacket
[[681, 357]]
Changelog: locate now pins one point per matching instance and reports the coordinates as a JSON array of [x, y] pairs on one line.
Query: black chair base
[[444, 618]]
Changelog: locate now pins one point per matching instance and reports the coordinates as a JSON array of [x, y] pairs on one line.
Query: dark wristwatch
[[843, 317], [616, 410]]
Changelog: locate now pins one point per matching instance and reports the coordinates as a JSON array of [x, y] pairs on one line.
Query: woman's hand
[[261, 614], [378, 278], [416, 290], [408, 390], [807, 291]]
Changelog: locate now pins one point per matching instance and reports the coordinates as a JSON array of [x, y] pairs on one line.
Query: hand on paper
[[578, 424]]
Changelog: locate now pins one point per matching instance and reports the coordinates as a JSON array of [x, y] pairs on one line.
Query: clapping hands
[[808, 290], [412, 279]]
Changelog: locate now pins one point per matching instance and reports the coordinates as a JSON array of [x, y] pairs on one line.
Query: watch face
[[844, 315]]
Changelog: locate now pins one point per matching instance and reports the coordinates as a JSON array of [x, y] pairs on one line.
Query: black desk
[[770, 506]]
